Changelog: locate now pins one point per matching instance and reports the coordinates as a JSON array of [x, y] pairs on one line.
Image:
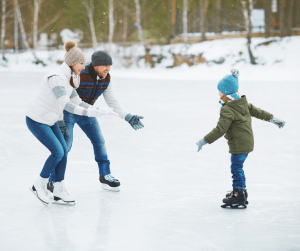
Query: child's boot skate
[[229, 193], [236, 199]]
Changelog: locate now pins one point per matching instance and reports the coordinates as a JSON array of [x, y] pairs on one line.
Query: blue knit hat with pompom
[[230, 83]]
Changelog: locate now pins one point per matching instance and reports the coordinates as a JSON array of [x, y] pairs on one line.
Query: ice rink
[[170, 195]]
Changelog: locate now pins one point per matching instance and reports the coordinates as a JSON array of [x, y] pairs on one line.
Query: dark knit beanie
[[101, 58]]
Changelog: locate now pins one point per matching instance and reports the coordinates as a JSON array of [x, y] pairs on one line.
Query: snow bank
[[277, 61]]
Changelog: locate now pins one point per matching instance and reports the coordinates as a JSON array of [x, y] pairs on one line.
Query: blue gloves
[[201, 143], [280, 123], [134, 121], [63, 128]]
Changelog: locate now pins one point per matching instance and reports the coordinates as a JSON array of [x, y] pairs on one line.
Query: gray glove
[[280, 123], [201, 143], [63, 128], [134, 121]]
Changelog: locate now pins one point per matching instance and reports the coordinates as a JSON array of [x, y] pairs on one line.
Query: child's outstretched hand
[[280, 123], [201, 143]]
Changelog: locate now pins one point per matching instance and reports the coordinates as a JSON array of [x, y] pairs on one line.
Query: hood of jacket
[[240, 105]]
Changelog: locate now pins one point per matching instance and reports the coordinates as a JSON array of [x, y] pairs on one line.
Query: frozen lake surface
[[170, 195]]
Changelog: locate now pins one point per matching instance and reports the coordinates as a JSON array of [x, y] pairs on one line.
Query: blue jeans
[[52, 138], [238, 176], [91, 128]]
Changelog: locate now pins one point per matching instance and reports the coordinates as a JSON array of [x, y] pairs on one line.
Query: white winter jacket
[[47, 107]]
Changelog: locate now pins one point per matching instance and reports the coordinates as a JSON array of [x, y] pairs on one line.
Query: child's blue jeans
[[238, 176]]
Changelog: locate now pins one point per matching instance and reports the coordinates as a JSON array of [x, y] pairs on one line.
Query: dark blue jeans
[[52, 138], [238, 176], [91, 128]]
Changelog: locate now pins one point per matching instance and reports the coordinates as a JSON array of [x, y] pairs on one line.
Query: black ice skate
[[229, 193], [236, 200], [109, 182]]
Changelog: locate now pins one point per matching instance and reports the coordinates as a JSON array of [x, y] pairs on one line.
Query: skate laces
[[110, 178]]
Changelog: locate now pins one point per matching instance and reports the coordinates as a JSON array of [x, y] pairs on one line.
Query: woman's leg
[[70, 120], [61, 166], [238, 176], [47, 137]]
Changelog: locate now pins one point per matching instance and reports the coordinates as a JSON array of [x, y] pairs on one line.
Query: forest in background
[[155, 22]]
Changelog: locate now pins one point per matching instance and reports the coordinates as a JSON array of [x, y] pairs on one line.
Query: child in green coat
[[235, 123]]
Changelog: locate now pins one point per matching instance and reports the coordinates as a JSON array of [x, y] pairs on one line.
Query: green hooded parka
[[235, 121]]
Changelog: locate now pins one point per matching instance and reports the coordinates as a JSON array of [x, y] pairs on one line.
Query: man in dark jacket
[[95, 80], [235, 123]]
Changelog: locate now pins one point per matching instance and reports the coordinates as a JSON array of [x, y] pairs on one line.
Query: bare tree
[[16, 33], [89, 5], [217, 19], [19, 17], [202, 20], [111, 24], [297, 13], [185, 24], [3, 28], [138, 21], [125, 21], [289, 21], [282, 10], [268, 17], [247, 6], [37, 4], [173, 19]]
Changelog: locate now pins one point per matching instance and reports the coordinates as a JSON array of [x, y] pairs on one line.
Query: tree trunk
[[247, 6], [185, 24], [89, 5], [297, 13], [268, 17], [125, 22], [173, 19], [35, 22], [3, 28], [217, 19], [111, 24], [138, 20], [202, 20], [19, 16], [16, 31], [289, 20], [282, 9]]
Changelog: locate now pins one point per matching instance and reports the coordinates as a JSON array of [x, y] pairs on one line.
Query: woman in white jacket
[[56, 93]]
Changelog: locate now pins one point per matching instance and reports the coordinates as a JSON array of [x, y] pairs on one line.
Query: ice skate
[[50, 189], [236, 200], [61, 195], [109, 182], [229, 193], [39, 189]]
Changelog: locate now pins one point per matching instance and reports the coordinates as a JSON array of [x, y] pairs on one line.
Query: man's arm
[[113, 102]]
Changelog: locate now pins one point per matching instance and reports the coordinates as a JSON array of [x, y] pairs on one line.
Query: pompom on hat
[[230, 83], [73, 54]]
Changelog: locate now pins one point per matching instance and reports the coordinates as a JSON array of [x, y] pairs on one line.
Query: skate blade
[[64, 203], [232, 206], [35, 194], [107, 187]]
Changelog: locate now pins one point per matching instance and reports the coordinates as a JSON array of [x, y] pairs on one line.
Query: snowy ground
[[170, 195], [278, 61]]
